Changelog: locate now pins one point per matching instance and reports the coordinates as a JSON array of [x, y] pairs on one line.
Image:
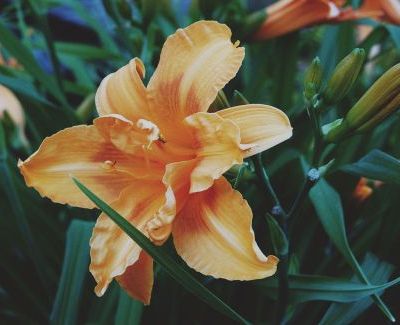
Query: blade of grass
[[76, 261], [162, 257], [129, 311], [7, 182], [304, 287], [41, 21]]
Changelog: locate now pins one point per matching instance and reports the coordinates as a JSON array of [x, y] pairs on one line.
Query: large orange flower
[[286, 16], [383, 10], [157, 157]]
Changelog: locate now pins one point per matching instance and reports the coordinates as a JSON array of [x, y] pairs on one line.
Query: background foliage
[[64, 49]]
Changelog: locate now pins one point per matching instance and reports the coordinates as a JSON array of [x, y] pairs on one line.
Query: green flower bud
[[344, 76], [313, 79], [379, 101]]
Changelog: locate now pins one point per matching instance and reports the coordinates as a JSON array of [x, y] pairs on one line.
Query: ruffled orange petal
[[219, 148], [111, 250], [261, 126], [123, 92], [137, 280], [103, 156], [195, 63], [213, 234], [392, 10], [289, 15]]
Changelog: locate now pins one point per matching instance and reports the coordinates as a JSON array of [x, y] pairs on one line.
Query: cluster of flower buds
[[378, 102]]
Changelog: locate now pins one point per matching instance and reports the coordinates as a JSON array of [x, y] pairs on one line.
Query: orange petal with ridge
[[123, 92], [93, 154], [213, 234], [195, 63], [261, 126], [112, 251], [138, 279], [218, 148]]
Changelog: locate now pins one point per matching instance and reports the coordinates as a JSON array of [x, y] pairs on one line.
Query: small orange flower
[[286, 16], [362, 190], [382, 10], [365, 188], [157, 157]]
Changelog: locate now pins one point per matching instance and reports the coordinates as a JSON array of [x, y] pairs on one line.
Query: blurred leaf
[[129, 311], [329, 209], [9, 187], [25, 57], [74, 271], [394, 33], [24, 88], [341, 313], [376, 165], [98, 26], [160, 254], [317, 287], [85, 52]]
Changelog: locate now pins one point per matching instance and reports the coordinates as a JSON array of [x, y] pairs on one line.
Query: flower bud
[[312, 79], [379, 101], [344, 76]]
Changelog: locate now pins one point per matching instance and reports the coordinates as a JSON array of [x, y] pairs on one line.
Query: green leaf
[[85, 52], [345, 313], [129, 311], [8, 184], [24, 88], [394, 34], [74, 271], [329, 209], [161, 256], [25, 58], [376, 165], [305, 288]]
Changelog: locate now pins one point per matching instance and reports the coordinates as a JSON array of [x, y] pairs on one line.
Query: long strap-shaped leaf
[[304, 287], [329, 209], [162, 257]]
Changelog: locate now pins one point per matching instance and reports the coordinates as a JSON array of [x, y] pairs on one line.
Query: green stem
[[280, 214], [263, 176], [239, 176], [283, 289]]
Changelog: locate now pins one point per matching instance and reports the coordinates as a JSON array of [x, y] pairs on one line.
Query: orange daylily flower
[[286, 16], [157, 157], [382, 10]]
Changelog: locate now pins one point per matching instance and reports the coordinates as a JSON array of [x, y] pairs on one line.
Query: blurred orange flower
[[365, 188], [382, 10], [9, 103], [157, 157], [362, 190], [286, 16]]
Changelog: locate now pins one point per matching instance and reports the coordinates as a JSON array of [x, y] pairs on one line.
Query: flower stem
[[262, 174]]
